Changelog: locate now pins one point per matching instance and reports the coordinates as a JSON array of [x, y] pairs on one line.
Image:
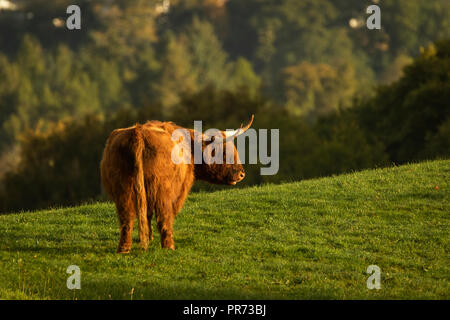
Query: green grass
[[305, 240]]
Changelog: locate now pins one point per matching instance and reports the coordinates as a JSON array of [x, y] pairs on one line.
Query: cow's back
[[165, 180]]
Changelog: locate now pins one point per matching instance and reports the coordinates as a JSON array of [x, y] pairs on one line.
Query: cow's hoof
[[143, 247], [123, 251]]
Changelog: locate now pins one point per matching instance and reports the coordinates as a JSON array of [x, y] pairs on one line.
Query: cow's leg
[[164, 222], [149, 219], [126, 214]]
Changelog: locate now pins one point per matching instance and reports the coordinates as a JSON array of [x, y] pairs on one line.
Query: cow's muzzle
[[239, 178]]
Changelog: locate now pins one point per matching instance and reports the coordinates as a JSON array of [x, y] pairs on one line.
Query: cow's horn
[[229, 135]]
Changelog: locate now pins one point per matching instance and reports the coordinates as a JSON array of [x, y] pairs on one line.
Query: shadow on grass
[[52, 245], [147, 289]]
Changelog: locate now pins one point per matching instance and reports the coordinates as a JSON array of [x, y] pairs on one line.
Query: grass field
[[305, 240]]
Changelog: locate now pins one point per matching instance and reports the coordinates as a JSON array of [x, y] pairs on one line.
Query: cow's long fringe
[[139, 189]]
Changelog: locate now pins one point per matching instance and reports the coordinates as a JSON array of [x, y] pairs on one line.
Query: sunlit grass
[[306, 240]]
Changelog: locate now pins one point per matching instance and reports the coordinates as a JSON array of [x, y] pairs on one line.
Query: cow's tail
[[139, 188]]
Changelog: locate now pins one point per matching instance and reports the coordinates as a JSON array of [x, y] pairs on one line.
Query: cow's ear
[[208, 141]]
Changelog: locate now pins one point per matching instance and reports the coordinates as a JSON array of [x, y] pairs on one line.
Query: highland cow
[[140, 176]]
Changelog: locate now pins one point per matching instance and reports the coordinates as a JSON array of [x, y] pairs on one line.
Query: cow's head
[[225, 172]]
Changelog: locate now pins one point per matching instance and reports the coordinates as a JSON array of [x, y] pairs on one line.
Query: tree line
[[343, 98]]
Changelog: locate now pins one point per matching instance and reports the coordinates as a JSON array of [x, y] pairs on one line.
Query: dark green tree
[[407, 114]]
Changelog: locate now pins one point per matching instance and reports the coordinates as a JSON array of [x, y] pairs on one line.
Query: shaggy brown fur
[[139, 175]]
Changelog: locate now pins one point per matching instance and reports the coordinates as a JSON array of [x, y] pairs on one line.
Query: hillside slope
[[304, 240]]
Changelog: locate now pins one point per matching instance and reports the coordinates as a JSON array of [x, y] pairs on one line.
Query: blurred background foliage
[[344, 97]]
